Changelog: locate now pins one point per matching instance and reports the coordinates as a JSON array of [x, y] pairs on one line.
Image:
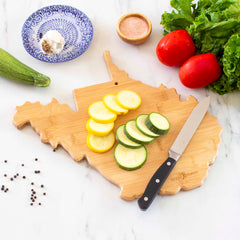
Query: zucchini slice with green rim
[[140, 123], [124, 140], [135, 135], [157, 123], [128, 158]]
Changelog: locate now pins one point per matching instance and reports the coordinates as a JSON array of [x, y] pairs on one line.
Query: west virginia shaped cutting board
[[57, 124]]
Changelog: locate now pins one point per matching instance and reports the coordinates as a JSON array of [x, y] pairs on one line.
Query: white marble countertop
[[80, 203]]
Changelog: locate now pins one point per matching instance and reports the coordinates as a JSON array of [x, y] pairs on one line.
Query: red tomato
[[175, 48], [200, 71]]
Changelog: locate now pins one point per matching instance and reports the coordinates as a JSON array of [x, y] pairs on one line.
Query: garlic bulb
[[52, 42]]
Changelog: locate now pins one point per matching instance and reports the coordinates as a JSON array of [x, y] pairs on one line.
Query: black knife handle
[[156, 183]]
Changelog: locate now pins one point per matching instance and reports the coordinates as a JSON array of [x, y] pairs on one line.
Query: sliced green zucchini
[[124, 140], [135, 135], [157, 123], [128, 158], [140, 123]]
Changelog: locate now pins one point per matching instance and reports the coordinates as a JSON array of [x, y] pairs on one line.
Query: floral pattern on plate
[[74, 25]]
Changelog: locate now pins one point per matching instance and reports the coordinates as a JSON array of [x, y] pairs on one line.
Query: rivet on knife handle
[[156, 183]]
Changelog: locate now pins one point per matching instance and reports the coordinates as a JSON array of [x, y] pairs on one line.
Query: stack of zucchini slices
[[130, 152]]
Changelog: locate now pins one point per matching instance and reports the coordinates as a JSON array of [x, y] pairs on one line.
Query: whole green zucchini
[[13, 69]]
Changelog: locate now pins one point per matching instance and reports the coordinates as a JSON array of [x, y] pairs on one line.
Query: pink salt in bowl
[[134, 28]]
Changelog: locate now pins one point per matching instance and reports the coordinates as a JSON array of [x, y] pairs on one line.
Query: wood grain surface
[[57, 124]]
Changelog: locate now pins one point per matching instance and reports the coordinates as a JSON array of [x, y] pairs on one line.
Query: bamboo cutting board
[[57, 124]]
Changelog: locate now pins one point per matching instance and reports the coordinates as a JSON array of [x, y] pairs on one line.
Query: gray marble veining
[[81, 204]]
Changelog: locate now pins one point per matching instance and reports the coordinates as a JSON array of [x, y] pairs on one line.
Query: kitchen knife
[[175, 152]]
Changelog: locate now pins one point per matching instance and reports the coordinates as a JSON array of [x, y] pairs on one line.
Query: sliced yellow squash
[[99, 113], [128, 99], [100, 144], [99, 129], [110, 102]]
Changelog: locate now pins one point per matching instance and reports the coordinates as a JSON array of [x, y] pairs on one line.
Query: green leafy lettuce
[[215, 27]]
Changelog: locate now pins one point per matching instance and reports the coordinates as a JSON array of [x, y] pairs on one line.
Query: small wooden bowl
[[137, 40]]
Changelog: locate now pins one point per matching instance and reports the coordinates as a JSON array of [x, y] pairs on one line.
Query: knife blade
[[175, 153]]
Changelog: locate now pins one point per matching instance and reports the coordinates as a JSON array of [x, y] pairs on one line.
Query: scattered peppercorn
[[34, 195]]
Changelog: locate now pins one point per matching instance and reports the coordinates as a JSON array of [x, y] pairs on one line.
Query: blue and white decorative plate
[[75, 27]]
